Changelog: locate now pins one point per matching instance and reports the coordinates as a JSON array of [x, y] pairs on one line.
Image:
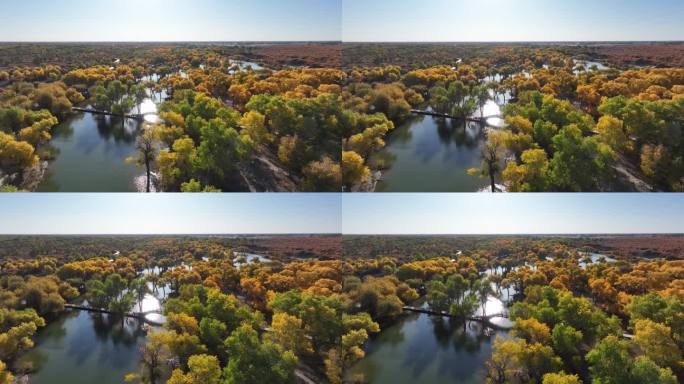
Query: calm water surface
[[91, 154], [84, 348], [425, 349], [431, 154], [91, 151]]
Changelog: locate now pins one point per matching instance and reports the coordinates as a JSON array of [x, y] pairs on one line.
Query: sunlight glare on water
[[491, 108], [149, 109], [150, 303], [494, 307]]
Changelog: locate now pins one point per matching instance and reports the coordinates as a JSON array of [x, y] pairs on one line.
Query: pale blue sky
[[384, 213], [350, 20], [170, 20], [138, 213], [455, 213], [512, 20]]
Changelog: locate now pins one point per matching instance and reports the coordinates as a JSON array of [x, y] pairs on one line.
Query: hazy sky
[[512, 20], [384, 213], [350, 20], [170, 20], [464, 213], [139, 213]]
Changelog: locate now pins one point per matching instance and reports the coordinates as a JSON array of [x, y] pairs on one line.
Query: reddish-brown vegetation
[[668, 246], [324, 246], [660, 55], [307, 55]]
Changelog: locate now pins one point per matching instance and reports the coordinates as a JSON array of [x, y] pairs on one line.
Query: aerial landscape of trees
[[298, 125], [224, 125], [604, 322], [297, 318], [568, 126]]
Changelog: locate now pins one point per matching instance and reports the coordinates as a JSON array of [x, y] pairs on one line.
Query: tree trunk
[[153, 376], [147, 167], [491, 179]]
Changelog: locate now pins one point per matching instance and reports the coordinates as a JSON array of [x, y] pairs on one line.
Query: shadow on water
[[467, 135], [425, 349], [111, 128]]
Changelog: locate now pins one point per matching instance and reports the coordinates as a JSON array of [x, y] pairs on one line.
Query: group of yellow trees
[[27, 115], [219, 119], [25, 303], [587, 306], [636, 116], [569, 326]]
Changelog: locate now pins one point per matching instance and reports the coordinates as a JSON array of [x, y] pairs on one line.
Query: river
[[582, 66], [247, 258], [86, 347], [91, 151], [420, 348]]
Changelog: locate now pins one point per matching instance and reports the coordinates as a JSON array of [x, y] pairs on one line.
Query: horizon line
[[170, 41], [177, 234], [520, 234], [350, 234], [508, 41], [337, 41]]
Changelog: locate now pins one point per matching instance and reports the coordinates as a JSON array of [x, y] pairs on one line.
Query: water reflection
[[242, 65], [90, 151], [155, 318], [594, 258], [425, 349], [91, 155], [81, 347], [149, 303], [148, 108], [246, 258], [588, 66], [431, 154]]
